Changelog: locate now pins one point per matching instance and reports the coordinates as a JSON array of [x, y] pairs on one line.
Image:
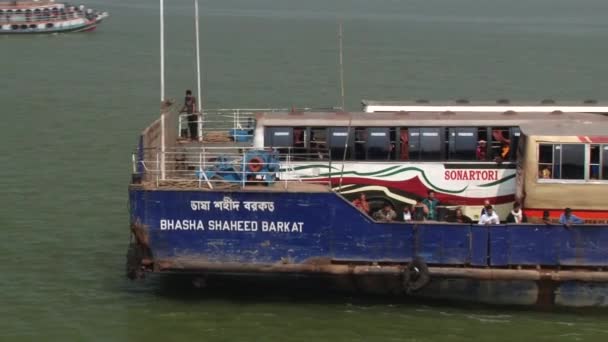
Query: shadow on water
[[305, 290]]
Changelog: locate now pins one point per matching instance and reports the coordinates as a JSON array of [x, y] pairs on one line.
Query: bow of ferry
[[219, 205]]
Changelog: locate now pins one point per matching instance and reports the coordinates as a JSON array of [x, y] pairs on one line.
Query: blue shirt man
[[567, 218]]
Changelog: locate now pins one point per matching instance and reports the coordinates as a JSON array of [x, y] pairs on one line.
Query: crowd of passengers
[[426, 210]]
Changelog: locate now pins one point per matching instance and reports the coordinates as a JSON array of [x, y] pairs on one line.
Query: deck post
[[162, 146]]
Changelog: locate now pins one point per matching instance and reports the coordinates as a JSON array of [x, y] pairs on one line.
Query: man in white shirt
[[489, 217]]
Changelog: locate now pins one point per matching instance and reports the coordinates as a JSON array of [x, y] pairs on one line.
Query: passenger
[[485, 204], [480, 152], [431, 203], [490, 217], [407, 213], [420, 211], [568, 219], [516, 215], [504, 151], [459, 217], [545, 173], [386, 214], [362, 204], [546, 217], [190, 108]]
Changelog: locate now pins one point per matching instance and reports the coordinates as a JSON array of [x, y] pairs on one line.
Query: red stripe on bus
[[598, 139]]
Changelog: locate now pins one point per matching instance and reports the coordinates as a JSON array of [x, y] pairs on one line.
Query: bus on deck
[[544, 160]]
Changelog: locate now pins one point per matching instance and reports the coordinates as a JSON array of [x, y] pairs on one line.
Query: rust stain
[[140, 231]]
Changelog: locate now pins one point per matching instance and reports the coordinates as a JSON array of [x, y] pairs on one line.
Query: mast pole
[[198, 59], [162, 90], [162, 51], [341, 66]]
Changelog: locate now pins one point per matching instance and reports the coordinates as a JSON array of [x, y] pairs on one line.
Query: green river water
[[72, 106]]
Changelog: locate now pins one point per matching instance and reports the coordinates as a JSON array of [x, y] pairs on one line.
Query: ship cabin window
[[425, 144]]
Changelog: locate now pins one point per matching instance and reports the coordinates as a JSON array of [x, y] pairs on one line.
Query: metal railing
[[224, 125], [219, 167]]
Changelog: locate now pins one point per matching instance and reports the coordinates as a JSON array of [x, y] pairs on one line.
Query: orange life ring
[[255, 164]]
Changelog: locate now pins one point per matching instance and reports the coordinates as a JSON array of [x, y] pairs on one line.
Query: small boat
[[47, 16]]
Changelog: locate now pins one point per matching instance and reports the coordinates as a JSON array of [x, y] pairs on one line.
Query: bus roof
[[548, 105], [556, 123]]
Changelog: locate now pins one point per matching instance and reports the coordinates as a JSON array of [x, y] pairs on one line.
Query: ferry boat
[[259, 192], [47, 16]]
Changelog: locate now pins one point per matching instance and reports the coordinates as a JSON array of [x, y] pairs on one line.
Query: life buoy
[[255, 164], [416, 275]]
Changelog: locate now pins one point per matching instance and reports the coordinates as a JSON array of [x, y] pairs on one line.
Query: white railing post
[[133, 163], [162, 146], [199, 127], [179, 125], [244, 175], [157, 165], [200, 169]]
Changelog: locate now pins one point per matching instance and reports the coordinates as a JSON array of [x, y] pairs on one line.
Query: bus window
[[300, 145], [279, 136], [567, 161], [462, 143], [573, 161], [604, 162], [337, 142], [545, 161], [425, 144], [378, 144], [394, 143], [594, 162], [360, 140], [500, 146], [515, 134], [404, 153], [318, 143]]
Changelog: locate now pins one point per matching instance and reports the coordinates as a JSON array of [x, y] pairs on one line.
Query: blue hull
[[320, 233]]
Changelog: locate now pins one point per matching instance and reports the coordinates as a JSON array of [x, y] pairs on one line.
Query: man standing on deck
[[431, 203], [190, 108]]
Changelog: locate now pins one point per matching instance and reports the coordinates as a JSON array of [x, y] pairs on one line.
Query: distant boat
[[47, 16]]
